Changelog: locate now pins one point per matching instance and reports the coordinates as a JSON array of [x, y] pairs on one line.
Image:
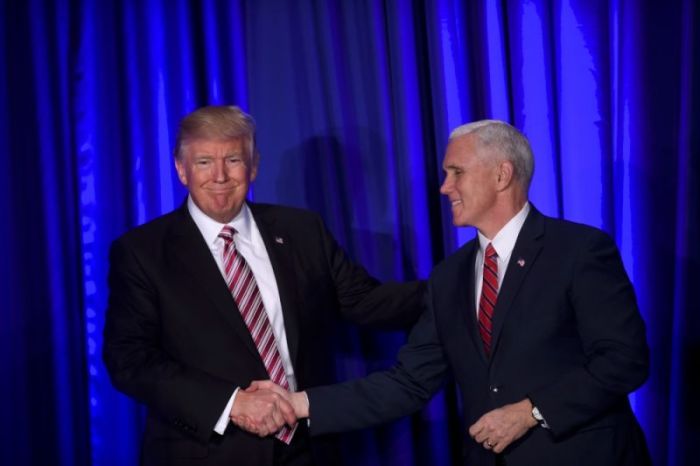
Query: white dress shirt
[[503, 243], [250, 245]]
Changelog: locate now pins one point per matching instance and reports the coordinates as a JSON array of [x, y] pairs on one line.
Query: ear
[[504, 174], [181, 173], [253, 172]]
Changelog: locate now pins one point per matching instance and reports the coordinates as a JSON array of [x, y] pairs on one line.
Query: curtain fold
[[42, 330], [683, 432], [354, 102]]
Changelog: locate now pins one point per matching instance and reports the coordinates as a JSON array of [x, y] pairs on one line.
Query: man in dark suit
[[220, 292], [535, 317]]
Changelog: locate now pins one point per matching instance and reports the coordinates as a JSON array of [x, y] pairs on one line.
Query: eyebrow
[[232, 154]]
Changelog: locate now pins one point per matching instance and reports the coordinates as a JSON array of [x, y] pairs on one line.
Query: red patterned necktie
[[245, 292], [489, 294]]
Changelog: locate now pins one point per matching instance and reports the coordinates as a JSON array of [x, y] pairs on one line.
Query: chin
[[220, 216], [458, 222]]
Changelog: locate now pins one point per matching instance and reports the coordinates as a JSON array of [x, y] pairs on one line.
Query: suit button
[[493, 388]]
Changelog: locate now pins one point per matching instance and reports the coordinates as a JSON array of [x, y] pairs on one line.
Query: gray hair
[[499, 136], [217, 122]]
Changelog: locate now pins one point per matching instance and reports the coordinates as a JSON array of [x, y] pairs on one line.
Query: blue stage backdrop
[[354, 102]]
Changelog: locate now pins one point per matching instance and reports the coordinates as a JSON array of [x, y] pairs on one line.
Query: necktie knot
[[490, 251], [227, 233]]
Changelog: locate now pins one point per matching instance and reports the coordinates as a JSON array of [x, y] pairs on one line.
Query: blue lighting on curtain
[[681, 440], [453, 70], [498, 80], [158, 61], [408, 160], [534, 109], [354, 103], [580, 117], [165, 154], [49, 173], [454, 84], [136, 150], [211, 61], [622, 167]]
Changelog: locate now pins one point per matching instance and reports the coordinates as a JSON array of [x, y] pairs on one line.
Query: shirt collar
[[210, 228], [505, 239]]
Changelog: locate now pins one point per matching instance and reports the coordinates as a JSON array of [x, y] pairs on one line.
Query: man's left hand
[[499, 428]]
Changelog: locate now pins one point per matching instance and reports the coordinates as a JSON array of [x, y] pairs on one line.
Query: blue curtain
[[354, 102]]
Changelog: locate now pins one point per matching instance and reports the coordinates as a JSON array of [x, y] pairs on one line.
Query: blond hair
[[218, 123]]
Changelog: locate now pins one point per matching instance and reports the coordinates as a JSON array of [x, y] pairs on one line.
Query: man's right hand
[[262, 412]]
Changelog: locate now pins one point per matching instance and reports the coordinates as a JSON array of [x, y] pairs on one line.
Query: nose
[[220, 174], [446, 186]]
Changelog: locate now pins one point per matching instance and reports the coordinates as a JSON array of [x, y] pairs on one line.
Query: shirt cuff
[[539, 418], [223, 421], [308, 405]]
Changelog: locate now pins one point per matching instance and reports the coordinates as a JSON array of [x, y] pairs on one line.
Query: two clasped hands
[[265, 407]]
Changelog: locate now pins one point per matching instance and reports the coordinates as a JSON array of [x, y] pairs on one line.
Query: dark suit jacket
[[175, 341], [567, 334]]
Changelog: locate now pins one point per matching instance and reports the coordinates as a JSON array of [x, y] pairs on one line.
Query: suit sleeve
[[383, 396], [363, 299], [613, 338], [137, 362]]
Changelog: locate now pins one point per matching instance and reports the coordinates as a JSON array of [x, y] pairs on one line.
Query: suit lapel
[[192, 256], [527, 248], [279, 250]]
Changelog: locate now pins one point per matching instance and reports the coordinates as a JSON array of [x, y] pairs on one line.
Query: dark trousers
[[297, 453]]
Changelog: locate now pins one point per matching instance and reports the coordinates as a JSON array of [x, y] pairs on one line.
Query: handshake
[[264, 408]]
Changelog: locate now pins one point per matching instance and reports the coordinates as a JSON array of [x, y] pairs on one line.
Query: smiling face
[[471, 182], [217, 173]]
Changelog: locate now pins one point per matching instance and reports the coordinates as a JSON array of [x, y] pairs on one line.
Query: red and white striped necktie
[[245, 292], [489, 294]]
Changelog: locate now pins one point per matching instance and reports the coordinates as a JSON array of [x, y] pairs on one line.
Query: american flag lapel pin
[[521, 262], [279, 240]]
